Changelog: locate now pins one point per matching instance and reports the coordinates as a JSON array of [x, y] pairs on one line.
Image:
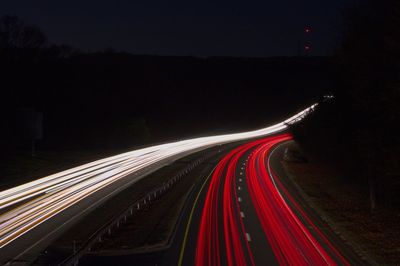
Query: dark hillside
[[114, 100]]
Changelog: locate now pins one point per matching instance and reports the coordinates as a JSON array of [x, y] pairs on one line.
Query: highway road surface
[[33, 214], [247, 211]]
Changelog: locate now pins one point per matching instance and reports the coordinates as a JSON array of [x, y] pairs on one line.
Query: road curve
[[31, 210], [246, 215]]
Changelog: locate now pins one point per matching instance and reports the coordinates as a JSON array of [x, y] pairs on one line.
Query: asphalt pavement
[[245, 210], [261, 240]]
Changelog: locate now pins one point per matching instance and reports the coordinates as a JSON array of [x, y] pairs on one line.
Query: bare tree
[[370, 58], [14, 33]]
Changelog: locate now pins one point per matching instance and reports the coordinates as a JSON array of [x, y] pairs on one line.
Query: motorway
[[247, 211], [33, 214], [244, 214]]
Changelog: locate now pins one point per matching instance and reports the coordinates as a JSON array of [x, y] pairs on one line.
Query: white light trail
[[35, 202]]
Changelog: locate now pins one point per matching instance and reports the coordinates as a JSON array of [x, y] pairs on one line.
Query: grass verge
[[346, 206]]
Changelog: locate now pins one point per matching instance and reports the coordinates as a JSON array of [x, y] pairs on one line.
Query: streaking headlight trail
[[32, 203]]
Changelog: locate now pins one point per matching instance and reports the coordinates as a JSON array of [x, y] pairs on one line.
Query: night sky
[[199, 28]]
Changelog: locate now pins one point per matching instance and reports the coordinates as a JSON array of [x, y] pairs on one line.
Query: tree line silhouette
[[116, 100], [360, 126]]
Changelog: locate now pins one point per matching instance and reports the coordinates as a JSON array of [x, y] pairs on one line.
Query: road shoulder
[[322, 218]]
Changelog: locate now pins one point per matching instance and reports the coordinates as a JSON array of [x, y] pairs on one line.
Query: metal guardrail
[[116, 221]]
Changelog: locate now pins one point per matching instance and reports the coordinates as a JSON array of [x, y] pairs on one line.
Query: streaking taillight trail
[[288, 235]]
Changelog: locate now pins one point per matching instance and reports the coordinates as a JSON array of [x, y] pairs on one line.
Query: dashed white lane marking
[[239, 188], [248, 237], [239, 199], [242, 214]]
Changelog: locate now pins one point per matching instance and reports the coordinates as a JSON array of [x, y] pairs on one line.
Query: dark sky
[[200, 28]]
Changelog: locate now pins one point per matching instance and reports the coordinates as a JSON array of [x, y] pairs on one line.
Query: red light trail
[[222, 239]]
